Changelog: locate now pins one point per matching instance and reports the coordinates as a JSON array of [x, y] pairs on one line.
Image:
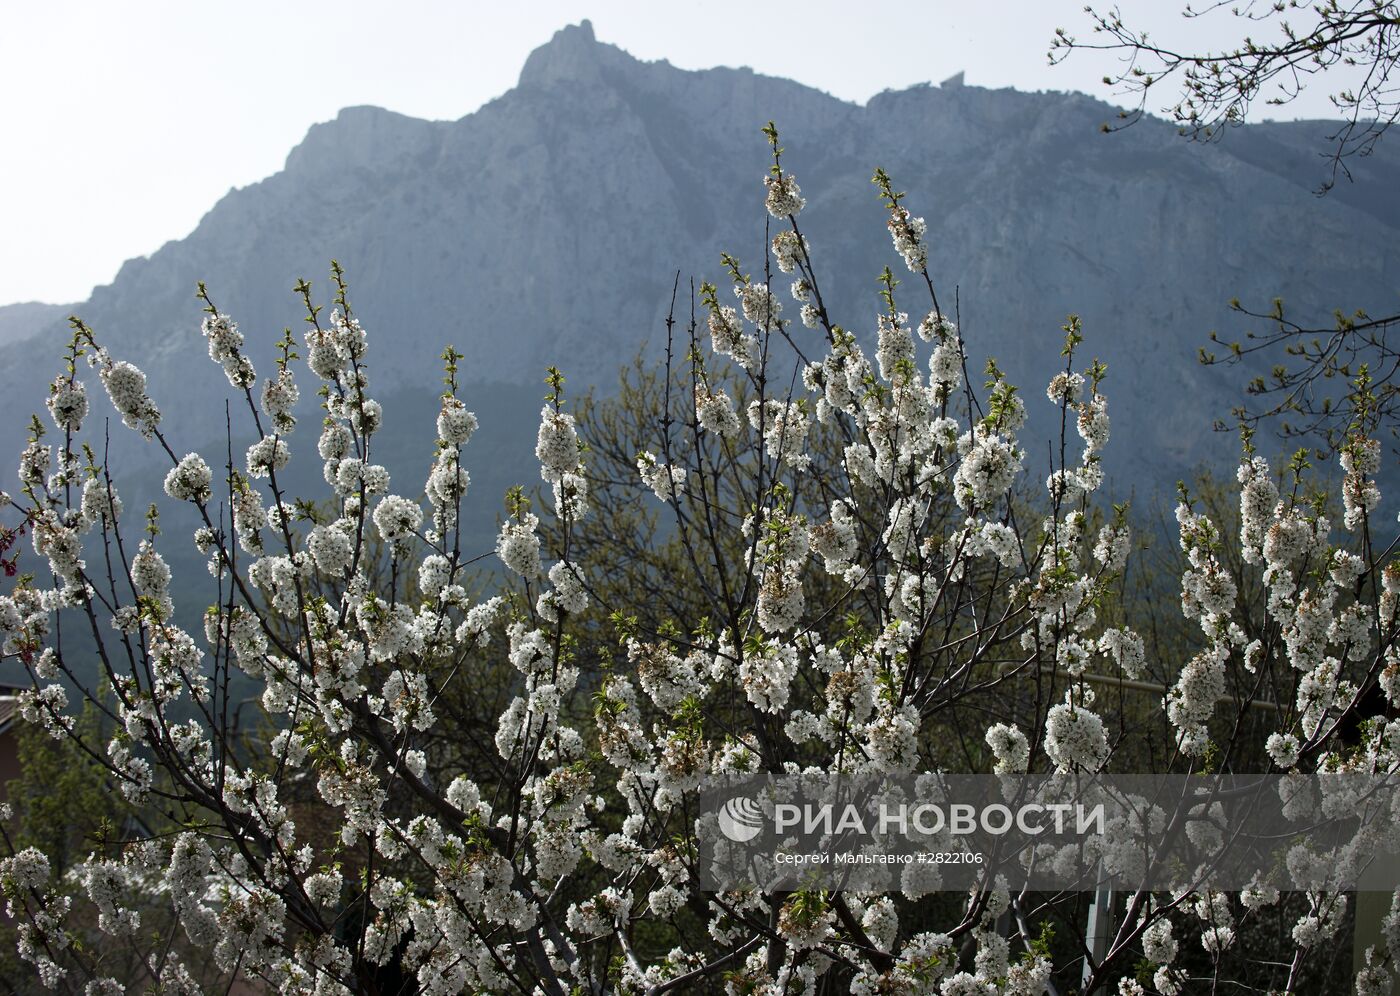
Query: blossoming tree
[[861, 588]]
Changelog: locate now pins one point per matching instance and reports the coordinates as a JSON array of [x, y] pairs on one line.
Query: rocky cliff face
[[547, 228]]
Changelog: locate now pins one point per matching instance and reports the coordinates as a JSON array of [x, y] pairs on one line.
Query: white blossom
[[783, 198], [518, 546], [907, 232], [455, 425], [68, 404], [1010, 748], [557, 448], [1075, 737], [189, 480], [397, 518]]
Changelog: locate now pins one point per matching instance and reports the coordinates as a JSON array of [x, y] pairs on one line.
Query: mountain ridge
[[547, 227]]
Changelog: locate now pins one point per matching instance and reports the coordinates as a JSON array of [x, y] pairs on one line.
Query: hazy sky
[[125, 122]]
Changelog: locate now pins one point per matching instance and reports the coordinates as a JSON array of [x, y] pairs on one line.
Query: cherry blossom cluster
[[874, 574]]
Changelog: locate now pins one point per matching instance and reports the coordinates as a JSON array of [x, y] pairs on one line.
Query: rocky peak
[[572, 56]]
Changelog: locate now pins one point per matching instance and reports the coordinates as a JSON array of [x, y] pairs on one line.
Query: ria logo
[[740, 819]]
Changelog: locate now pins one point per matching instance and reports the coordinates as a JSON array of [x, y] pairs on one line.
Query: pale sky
[[124, 122]]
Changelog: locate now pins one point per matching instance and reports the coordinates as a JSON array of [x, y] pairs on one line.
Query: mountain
[[19, 322], [548, 227]]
